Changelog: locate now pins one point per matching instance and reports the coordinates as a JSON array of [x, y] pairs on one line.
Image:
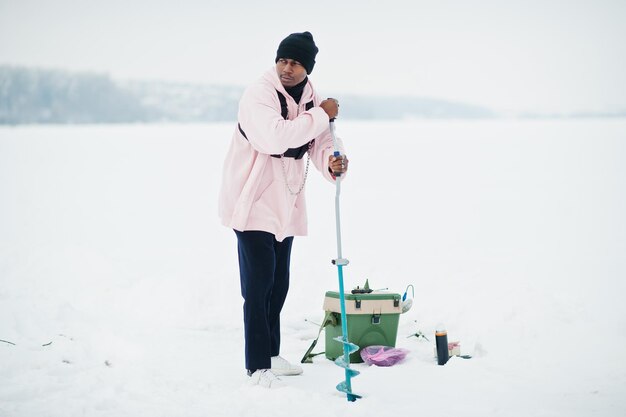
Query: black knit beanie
[[299, 47]]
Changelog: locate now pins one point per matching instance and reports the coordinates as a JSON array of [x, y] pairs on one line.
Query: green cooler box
[[372, 319]]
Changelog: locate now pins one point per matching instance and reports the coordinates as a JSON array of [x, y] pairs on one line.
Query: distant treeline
[[30, 95], [46, 96]]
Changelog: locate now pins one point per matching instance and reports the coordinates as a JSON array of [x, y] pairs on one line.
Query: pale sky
[[540, 56]]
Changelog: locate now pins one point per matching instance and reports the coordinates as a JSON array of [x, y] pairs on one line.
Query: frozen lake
[[512, 232]]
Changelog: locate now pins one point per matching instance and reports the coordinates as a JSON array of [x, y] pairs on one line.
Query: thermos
[[441, 340]]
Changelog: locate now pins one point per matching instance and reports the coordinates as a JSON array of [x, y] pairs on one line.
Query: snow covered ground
[[119, 288]]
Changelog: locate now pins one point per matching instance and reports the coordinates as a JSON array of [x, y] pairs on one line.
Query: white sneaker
[[281, 366], [266, 378]]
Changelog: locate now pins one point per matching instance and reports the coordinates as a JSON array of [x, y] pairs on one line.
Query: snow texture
[[119, 289]]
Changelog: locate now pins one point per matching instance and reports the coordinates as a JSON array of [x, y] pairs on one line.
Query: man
[[283, 126]]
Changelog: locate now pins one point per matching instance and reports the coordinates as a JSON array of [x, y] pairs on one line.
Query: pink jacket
[[254, 195]]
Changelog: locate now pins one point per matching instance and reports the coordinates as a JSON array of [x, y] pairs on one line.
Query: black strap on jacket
[[296, 153]]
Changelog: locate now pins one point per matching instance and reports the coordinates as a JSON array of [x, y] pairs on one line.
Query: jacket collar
[[272, 77]]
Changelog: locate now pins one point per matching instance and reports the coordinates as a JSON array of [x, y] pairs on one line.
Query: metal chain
[[306, 171]]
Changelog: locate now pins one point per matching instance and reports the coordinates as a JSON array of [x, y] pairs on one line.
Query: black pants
[[264, 275]]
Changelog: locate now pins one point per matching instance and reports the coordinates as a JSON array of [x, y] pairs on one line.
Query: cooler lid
[[374, 295], [376, 302]]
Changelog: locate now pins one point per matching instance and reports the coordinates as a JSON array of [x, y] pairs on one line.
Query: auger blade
[[351, 346], [343, 387], [340, 361]]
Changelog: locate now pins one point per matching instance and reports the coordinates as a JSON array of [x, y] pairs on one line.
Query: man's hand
[[331, 107], [338, 164]]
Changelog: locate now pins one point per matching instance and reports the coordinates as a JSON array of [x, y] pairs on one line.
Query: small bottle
[[441, 340]]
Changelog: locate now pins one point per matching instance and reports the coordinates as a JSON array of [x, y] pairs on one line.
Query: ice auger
[[340, 262]]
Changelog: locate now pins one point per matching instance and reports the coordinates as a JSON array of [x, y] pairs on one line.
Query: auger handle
[[335, 144]]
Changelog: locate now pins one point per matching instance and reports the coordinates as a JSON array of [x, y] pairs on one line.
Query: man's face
[[290, 72]]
